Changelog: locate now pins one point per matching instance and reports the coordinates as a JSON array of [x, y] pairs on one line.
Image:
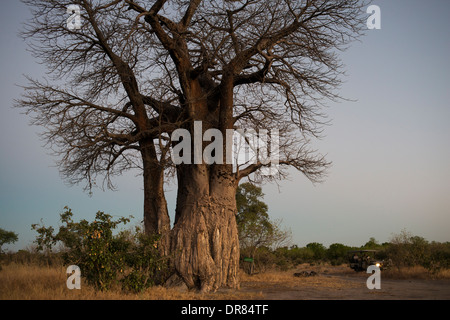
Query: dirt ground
[[340, 283]]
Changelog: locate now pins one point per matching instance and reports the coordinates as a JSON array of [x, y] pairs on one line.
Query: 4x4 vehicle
[[360, 260]]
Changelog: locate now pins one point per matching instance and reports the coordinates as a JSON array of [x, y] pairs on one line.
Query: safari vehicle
[[360, 260]]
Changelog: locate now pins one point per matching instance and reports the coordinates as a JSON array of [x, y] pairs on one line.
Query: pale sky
[[390, 149]]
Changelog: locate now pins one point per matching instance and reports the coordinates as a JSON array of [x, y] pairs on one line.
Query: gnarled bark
[[204, 240]]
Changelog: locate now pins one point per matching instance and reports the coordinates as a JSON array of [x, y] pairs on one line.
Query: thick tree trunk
[[204, 243], [156, 217], [204, 240]]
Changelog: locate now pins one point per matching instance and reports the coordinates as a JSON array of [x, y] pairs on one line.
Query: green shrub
[[148, 266], [105, 258], [337, 254], [100, 256]]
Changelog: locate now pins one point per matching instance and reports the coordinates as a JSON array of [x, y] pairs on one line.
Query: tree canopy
[[7, 237]]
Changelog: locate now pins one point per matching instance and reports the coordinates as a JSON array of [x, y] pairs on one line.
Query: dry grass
[[29, 282], [416, 272]]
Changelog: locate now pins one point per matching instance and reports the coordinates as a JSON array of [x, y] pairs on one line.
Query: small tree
[[372, 244], [405, 249], [7, 237], [318, 249], [255, 228], [336, 253]]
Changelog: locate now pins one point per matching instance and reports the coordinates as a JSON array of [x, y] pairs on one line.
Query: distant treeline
[[403, 250]]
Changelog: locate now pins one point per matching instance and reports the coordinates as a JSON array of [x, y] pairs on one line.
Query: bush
[[148, 267], [7, 237], [318, 249], [406, 250], [103, 257], [337, 254]]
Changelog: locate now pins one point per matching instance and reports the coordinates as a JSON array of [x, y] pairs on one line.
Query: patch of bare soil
[[341, 283]]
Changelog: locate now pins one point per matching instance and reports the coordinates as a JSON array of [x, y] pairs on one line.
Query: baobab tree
[[131, 73]]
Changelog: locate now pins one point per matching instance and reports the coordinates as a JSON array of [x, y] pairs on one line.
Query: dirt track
[[347, 286]]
